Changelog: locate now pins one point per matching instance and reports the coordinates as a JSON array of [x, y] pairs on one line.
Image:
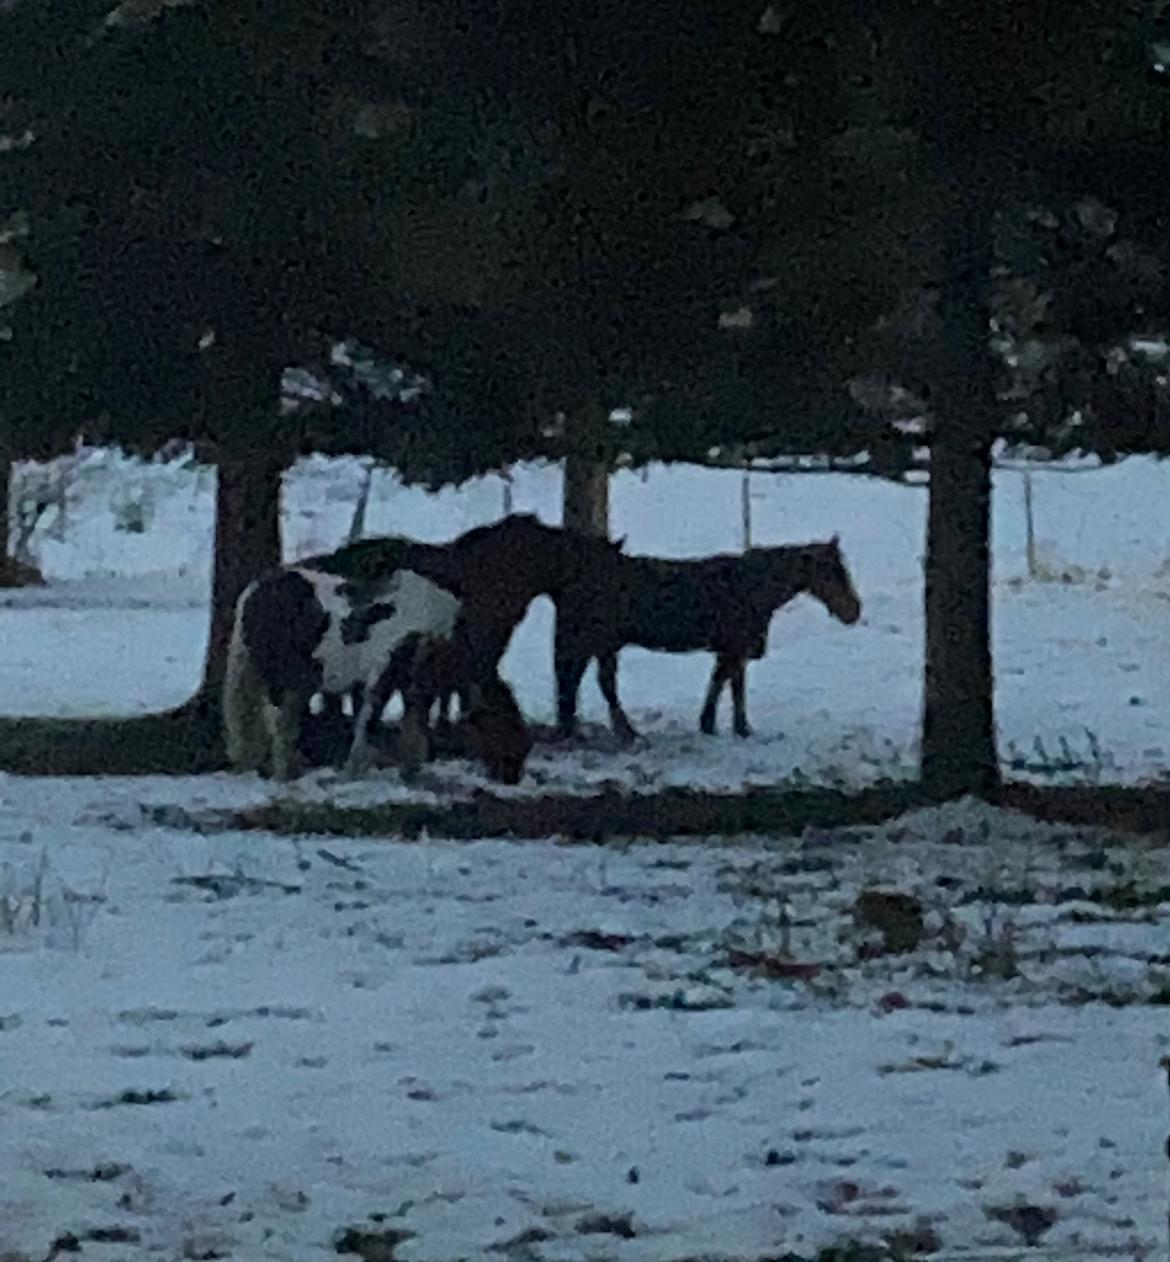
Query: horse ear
[[620, 543], [835, 542]]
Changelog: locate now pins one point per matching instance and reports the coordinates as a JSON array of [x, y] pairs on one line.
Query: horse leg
[[374, 696], [420, 685], [719, 674], [284, 727], [446, 717], [497, 733], [738, 698], [607, 679], [246, 738], [569, 669], [413, 737]]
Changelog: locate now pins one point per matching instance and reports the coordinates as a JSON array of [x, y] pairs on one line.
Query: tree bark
[[16, 568], [585, 497], [247, 542], [5, 506], [958, 723]]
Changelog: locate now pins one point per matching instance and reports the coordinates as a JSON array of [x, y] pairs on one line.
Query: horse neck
[[543, 571], [436, 561], [787, 572]]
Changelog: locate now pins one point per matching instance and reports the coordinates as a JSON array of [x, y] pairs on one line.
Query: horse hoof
[[743, 732], [708, 729]]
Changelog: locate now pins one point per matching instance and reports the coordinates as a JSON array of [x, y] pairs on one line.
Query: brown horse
[[495, 570], [721, 603]]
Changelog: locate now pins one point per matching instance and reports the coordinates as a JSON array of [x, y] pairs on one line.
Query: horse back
[[440, 564], [701, 603], [364, 560], [366, 564], [362, 635]]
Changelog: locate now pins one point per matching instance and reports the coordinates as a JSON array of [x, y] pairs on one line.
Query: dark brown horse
[[495, 570], [721, 603]]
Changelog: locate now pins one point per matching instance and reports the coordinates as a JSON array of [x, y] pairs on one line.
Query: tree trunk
[[16, 567], [247, 542], [6, 506], [586, 495], [958, 724]]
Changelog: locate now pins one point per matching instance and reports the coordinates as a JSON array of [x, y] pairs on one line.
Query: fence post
[[745, 495], [1030, 524], [1165, 1063], [357, 524]]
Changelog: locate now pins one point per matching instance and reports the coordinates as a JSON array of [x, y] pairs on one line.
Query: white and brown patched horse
[[300, 631]]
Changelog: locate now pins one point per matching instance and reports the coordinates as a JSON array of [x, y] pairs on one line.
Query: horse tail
[[245, 731]]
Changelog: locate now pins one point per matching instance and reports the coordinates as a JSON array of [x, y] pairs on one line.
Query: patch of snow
[[246, 1045]]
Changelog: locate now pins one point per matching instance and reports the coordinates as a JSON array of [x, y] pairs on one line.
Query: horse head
[[499, 734], [830, 581]]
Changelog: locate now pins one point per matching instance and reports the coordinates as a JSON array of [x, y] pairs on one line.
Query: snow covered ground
[[943, 1033], [237, 1046]]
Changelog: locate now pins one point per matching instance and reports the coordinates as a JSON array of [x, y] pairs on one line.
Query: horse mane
[[599, 545], [813, 547]]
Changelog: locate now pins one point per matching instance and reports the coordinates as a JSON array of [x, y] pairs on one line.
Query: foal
[[721, 603]]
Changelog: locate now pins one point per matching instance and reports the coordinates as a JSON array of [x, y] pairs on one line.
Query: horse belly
[[674, 627]]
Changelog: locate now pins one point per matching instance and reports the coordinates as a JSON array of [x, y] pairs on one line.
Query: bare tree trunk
[[586, 488], [16, 565], [958, 725], [6, 505], [247, 542], [586, 495], [585, 507]]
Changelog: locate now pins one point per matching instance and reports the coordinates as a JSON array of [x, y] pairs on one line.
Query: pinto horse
[[299, 631], [721, 603], [497, 570]]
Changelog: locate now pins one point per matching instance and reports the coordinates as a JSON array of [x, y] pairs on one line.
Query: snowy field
[[242, 1047], [942, 1034]]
